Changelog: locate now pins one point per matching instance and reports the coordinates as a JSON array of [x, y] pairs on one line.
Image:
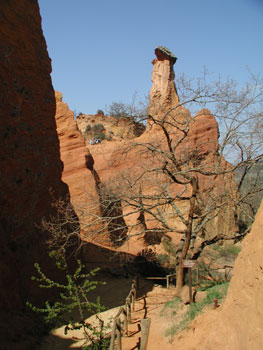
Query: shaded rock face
[[237, 324], [29, 156]]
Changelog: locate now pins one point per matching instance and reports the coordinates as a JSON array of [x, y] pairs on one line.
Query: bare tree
[[136, 109]]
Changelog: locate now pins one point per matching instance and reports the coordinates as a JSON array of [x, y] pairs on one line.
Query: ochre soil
[[150, 302]]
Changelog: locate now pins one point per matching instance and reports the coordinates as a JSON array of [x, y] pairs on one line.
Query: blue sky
[[101, 51]]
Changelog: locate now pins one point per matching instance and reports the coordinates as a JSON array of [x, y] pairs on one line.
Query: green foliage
[[216, 292], [227, 250], [163, 258], [97, 131], [173, 304], [88, 128], [169, 247], [99, 135], [72, 297], [98, 128]]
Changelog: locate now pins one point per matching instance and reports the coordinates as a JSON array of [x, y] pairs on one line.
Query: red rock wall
[[237, 324], [30, 162]]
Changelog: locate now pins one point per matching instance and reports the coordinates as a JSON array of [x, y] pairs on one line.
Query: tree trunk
[[188, 234]]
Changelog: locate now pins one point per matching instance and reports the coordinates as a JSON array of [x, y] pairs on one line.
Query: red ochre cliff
[[30, 164]]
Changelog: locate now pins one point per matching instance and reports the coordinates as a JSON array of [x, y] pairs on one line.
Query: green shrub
[[88, 128], [99, 136], [98, 128], [216, 292], [163, 258], [73, 296], [227, 250]]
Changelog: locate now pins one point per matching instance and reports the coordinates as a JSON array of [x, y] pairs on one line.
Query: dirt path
[[155, 298], [155, 301]]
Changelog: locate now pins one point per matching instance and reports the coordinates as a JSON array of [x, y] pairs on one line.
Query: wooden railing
[[167, 278], [125, 312]]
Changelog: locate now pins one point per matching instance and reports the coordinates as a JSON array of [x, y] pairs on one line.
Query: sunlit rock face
[[163, 94], [78, 172], [30, 165], [237, 324]]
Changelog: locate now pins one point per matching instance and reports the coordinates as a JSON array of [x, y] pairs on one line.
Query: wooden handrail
[[167, 278], [126, 311]]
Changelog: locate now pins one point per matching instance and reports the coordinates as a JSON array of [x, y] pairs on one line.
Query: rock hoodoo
[[163, 94]]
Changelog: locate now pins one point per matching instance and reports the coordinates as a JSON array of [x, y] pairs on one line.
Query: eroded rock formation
[[163, 94], [81, 176], [77, 174]]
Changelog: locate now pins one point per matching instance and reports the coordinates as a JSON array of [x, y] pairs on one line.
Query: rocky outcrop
[[79, 174], [74, 155], [237, 324], [29, 159], [101, 127]]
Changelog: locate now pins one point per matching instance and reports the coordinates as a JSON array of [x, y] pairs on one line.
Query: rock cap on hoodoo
[[162, 51]]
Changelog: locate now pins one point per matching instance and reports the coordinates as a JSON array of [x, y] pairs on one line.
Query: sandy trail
[[155, 296]]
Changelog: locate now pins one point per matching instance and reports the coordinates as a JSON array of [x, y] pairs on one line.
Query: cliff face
[[30, 162], [237, 324]]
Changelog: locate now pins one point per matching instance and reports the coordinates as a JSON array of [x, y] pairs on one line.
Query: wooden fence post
[[167, 281], [113, 335], [145, 328], [133, 300], [125, 322], [126, 311], [118, 328], [129, 307]]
